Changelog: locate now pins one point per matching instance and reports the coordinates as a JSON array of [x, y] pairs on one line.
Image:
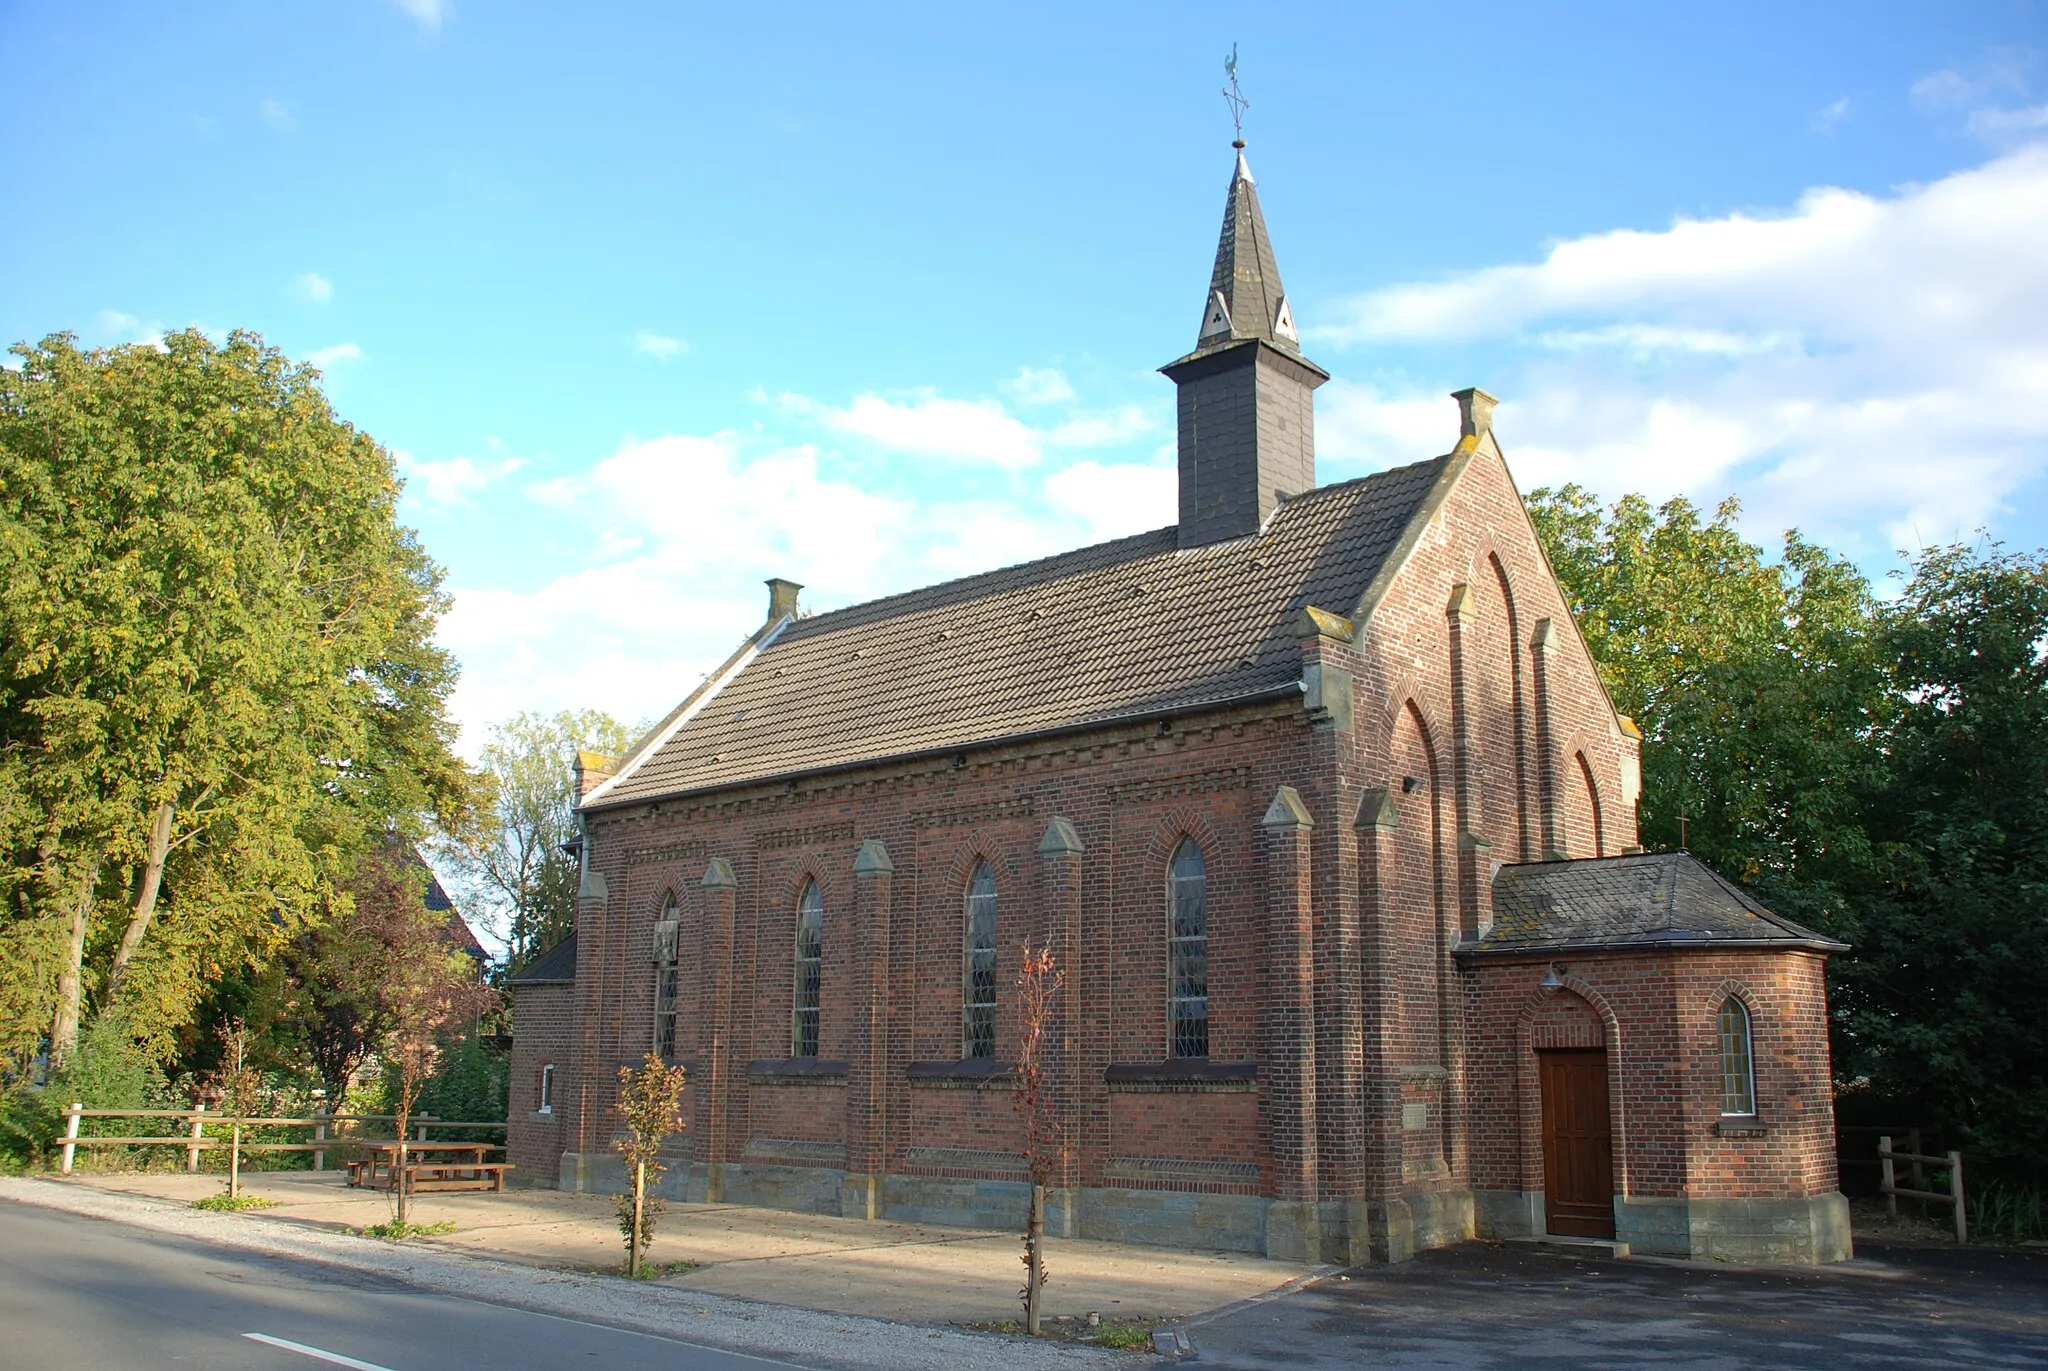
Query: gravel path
[[796, 1335]]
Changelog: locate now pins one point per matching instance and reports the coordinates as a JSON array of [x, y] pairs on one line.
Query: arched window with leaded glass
[[667, 978], [978, 1009], [1187, 943], [810, 962], [1738, 1061]]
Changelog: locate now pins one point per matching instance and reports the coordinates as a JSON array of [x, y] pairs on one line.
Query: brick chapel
[[1319, 804]]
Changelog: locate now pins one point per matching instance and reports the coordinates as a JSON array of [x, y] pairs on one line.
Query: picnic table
[[428, 1166]]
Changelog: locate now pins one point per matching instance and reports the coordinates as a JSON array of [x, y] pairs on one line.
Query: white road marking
[[315, 1353]]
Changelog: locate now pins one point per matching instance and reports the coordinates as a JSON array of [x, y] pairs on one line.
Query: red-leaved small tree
[[1038, 985]]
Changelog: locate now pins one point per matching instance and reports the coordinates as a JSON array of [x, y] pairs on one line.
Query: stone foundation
[[1795, 1232]]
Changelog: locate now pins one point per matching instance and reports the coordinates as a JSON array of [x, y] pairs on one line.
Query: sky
[[651, 303]]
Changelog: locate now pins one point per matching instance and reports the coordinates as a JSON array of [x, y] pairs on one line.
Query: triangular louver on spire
[[1246, 299]]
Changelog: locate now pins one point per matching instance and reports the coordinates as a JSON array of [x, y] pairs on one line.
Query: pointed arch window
[[978, 1010], [1738, 1062], [810, 963], [667, 978], [1187, 943]]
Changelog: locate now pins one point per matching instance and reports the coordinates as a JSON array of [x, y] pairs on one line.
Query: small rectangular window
[[547, 1088]]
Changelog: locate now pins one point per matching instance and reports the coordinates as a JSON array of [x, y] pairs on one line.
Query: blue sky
[[653, 302]]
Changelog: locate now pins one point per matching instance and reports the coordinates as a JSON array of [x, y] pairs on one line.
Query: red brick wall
[[1489, 724], [543, 1022], [1656, 1013]]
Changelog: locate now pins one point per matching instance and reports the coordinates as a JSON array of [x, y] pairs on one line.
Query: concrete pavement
[[851, 1266]]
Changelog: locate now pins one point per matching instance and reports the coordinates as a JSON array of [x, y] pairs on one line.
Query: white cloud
[[278, 117], [1831, 114], [930, 425], [1860, 365], [1999, 74], [659, 345], [1039, 386], [451, 483], [313, 288], [326, 357], [679, 532], [428, 14]]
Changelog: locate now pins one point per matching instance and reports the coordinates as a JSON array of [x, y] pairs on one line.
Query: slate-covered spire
[[1246, 401], [1246, 299]]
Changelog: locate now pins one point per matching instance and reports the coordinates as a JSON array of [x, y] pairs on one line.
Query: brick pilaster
[[1289, 1067], [721, 899], [1078, 1093], [1378, 825], [1551, 821], [867, 1096]]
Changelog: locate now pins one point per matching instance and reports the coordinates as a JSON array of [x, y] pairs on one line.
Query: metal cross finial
[[1683, 819], [1238, 104]]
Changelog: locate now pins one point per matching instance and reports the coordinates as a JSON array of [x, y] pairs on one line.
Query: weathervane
[[1238, 104]]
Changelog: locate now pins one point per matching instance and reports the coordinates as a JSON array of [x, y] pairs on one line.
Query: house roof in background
[[552, 967]]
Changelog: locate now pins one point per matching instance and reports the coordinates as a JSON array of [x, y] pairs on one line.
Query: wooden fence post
[[235, 1160], [1955, 1188], [320, 1136], [198, 1132], [1884, 1161], [71, 1132]]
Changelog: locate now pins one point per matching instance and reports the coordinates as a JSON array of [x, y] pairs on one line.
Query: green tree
[[217, 675], [1758, 686], [515, 860], [1941, 1003]]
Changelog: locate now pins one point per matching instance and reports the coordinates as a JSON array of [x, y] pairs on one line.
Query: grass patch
[[232, 1204], [396, 1231], [1125, 1335], [654, 1271]]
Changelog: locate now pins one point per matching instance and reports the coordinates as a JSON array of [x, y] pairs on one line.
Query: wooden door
[[1578, 1147]]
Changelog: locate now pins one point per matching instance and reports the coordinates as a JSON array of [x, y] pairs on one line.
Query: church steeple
[[1246, 402], [1246, 299]]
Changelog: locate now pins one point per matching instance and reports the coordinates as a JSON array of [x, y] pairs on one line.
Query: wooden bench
[[456, 1176], [429, 1165]]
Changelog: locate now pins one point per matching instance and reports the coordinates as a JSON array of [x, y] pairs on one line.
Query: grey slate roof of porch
[[555, 966], [1126, 629], [1652, 899]]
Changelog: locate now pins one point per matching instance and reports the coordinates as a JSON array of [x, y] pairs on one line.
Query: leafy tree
[[515, 860], [1758, 686], [1941, 1001], [217, 674], [650, 1108]]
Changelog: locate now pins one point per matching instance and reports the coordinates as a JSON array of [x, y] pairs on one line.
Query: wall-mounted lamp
[[1553, 979], [1410, 784]]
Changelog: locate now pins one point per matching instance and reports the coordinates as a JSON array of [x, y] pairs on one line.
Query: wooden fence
[[1889, 1187], [324, 1135]]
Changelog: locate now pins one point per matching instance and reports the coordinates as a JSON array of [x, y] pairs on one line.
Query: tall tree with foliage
[[1941, 1003], [217, 675], [516, 859], [1758, 685]]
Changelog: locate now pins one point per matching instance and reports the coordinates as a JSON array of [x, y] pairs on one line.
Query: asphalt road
[[1484, 1306], [79, 1295]]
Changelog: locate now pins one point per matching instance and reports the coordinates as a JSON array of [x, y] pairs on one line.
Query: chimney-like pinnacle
[[781, 598], [1475, 412]]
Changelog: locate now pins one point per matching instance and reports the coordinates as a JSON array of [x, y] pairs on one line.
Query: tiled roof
[[1132, 628], [1650, 899], [556, 964]]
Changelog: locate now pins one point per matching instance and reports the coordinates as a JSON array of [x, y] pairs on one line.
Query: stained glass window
[[979, 1012], [1188, 952], [667, 977], [1738, 1067], [810, 957]]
